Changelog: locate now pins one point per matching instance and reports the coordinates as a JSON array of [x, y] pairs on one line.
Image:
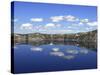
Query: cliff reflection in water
[[88, 45], [54, 55]]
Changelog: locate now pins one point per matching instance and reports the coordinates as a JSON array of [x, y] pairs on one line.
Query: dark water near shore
[[44, 56]]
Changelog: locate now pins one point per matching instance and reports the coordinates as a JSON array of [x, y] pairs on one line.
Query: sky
[[53, 18]]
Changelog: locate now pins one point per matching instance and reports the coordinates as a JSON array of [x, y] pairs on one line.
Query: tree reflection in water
[[67, 54], [88, 45]]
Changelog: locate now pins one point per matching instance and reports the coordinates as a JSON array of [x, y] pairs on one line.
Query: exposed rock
[[90, 36]]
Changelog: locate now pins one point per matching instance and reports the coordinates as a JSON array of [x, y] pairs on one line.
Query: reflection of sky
[[36, 49], [61, 51], [53, 18], [66, 53], [70, 53], [69, 57], [55, 49], [52, 57], [57, 53]]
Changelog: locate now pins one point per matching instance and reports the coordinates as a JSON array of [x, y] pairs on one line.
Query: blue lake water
[[53, 57]]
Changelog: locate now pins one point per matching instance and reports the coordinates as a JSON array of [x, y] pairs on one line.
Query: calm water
[[53, 56]]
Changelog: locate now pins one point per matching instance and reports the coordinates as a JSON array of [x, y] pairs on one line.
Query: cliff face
[[83, 37], [89, 36]]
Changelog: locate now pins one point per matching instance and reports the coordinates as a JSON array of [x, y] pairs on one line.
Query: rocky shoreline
[[82, 37]]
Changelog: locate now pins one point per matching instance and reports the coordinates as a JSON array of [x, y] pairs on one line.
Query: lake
[[47, 56]]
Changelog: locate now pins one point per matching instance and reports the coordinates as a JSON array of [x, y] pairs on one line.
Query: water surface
[[54, 56]]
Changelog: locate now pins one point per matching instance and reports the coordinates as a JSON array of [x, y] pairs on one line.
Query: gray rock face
[[83, 37]]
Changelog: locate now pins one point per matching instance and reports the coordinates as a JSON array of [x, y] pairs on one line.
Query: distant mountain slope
[[84, 36]]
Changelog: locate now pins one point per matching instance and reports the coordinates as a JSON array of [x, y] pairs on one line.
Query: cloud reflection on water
[[57, 51], [69, 57], [84, 51], [72, 51], [37, 49]]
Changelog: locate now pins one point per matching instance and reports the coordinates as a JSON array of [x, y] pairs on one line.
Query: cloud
[[50, 25], [84, 20], [62, 31], [36, 19], [92, 23], [57, 25], [80, 23], [56, 18], [38, 27], [71, 18], [26, 26]]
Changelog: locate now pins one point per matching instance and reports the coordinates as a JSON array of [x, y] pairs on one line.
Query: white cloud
[[49, 25], [38, 27], [26, 26], [92, 23], [56, 18], [54, 31], [36, 19], [84, 20], [62, 31], [71, 18], [52, 25]]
